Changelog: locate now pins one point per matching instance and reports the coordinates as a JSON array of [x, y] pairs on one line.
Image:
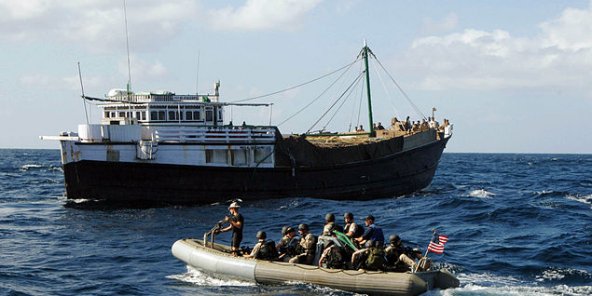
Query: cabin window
[[197, 115], [137, 115], [189, 115], [112, 114], [143, 115], [173, 115], [106, 115], [209, 115], [121, 114], [263, 155], [216, 156], [157, 115], [239, 157], [220, 115]]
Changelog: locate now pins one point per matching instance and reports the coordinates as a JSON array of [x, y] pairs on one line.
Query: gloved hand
[[226, 218]]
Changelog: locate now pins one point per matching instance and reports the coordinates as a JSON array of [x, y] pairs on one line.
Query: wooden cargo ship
[[169, 148]]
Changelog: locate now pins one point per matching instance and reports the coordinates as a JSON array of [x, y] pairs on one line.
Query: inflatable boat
[[216, 259]]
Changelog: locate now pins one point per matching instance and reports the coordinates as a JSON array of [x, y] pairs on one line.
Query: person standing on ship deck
[[236, 225]]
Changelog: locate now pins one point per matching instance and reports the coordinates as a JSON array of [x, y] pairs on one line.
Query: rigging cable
[[353, 112], [342, 103], [82, 89], [129, 64], [336, 101], [320, 95], [400, 89], [296, 86], [388, 93]]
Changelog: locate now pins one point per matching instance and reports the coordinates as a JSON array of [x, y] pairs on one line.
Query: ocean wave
[[586, 199], [481, 193], [200, 278], [31, 166], [11, 175], [522, 290], [197, 277], [56, 168], [557, 274], [489, 284]]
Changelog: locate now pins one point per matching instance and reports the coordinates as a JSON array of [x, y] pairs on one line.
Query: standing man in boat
[[236, 221]]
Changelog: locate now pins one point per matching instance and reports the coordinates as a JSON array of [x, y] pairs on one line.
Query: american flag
[[437, 244]]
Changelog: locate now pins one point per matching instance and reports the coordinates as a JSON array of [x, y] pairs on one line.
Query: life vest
[[288, 246], [267, 251], [376, 259], [359, 231]]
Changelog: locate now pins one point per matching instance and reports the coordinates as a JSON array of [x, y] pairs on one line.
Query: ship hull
[[394, 175]]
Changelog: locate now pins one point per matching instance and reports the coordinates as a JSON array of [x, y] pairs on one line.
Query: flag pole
[[426, 253]]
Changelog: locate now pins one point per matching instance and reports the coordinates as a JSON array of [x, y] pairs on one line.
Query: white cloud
[[571, 31], [262, 14], [23, 9], [51, 82], [146, 72], [437, 26], [96, 24], [559, 57]]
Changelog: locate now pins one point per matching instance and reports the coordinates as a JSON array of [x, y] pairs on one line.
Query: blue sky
[[512, 76]]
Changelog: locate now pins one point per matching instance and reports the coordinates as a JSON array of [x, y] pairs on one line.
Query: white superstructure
[[162, 127]]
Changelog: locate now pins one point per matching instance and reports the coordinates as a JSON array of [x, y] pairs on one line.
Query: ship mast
[[365, 52]]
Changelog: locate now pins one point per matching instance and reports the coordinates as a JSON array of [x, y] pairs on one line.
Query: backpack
[[359, 231], [267, 251], [333, 257], [375, 259]]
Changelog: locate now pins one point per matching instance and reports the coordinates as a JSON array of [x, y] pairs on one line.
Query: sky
[[512, 76]]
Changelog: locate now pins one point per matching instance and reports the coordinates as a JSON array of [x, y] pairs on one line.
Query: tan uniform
[[256, 249], [308, 243]]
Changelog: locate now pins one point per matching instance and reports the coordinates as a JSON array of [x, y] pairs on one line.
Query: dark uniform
[[237, 232]]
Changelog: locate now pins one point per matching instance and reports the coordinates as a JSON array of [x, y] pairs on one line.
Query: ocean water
[[518, 224]]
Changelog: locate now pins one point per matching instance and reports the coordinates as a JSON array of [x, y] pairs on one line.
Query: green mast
[[365, 52]]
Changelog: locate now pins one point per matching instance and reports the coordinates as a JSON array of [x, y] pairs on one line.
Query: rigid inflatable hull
[[194, 254], [398, 174]]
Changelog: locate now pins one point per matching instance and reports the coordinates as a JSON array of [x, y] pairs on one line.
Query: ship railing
[[224, 135], [151, 97]]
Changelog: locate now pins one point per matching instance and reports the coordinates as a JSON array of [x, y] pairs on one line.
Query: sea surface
[[518, 224]]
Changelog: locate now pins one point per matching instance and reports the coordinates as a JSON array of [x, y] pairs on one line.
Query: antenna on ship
[[197, 75], [129, 71], [83, 97]]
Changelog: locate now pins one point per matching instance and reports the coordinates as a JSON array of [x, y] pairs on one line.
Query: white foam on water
[[29, 166], [197, 277], [200, 278], [481, 193], [560, 273], [490, 285], [586, 199], [318, 290], [80, 200]]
